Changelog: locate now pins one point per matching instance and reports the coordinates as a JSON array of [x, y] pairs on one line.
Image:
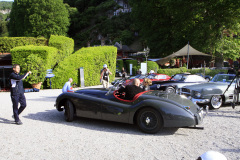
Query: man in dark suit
[[17, 92], [131, 90]]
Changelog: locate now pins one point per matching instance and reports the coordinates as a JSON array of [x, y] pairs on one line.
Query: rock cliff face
[[5, 11]]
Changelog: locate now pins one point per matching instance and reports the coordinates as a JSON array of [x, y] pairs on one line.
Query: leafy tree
[[90, 18], [5, 5], [38, 18], [167, 25], [3, 29]]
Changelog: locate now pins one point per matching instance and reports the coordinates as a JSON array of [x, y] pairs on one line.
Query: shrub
[[119, 64], [65, 45], [172, 71], [210, 72], [135, 66], [40, 58], [8, 43], [48, 54], [151, 65], [36, 65], [92, 60]]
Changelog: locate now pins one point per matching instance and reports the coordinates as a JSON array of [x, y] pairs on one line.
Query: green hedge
[[48, 54], [64, 44], [135, 66], [92, 60], [210, 72], [151, 65], [172, 71], [25, 57], [119, 64], [8, 43]]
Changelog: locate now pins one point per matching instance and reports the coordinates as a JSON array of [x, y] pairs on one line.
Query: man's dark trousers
[[18, 98]]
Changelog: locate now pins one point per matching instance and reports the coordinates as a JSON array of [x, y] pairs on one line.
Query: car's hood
[[208, 86], [175, 98]]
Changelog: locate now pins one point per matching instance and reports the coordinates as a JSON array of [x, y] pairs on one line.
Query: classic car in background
[[118, 73], [153, 77], [177, 81], [131, 78], [149, 110], [207, 77], [211, 93]]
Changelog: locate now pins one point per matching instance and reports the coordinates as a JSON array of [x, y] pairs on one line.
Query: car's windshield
[[179, 77], [223, 78], [137, 76]]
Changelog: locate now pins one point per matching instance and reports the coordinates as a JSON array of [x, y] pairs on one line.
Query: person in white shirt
[[67, 87], [105, 76], [152, 71]]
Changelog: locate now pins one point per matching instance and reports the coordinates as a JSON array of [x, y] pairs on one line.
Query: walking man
[[105, 76], [17, 92]]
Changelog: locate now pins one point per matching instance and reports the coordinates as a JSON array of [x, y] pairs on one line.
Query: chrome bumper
[[201, 114], [202, 101]]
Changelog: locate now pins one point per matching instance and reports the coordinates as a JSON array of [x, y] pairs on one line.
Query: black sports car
[[149, 110], [177, 81]]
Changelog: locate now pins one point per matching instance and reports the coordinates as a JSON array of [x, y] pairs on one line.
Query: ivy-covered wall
[[8, 43], [92, 60]]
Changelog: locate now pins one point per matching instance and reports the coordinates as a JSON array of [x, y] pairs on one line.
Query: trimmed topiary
[[92, 60], [8, 43], [64, 44]]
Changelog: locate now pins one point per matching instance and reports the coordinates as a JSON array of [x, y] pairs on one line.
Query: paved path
[[45, 135]]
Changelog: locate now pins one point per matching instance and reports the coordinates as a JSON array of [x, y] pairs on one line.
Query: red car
[[152, 77]]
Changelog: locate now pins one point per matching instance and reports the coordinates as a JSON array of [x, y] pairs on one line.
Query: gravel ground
[[45, 135]]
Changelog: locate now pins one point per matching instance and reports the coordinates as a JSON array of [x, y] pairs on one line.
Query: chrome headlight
[[158, 86], [197, 94]]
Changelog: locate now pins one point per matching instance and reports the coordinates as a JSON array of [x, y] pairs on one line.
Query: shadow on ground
[[54, 116], [6, 121]]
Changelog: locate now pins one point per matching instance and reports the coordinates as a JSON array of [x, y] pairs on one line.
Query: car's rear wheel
[[170, 90], [69, 111], [216, 102], [149, 120]]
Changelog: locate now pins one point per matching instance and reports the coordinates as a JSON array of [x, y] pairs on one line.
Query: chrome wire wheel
[[149, 120], [170, 90], [216, 102]]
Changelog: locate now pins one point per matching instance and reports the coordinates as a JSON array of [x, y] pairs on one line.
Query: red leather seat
[[124, 100]]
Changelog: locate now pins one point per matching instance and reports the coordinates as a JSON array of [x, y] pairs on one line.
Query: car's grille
[[184, 91]]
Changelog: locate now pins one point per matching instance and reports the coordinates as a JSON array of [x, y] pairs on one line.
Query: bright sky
[[7, 0]]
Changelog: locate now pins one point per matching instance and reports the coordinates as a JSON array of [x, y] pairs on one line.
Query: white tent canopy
[[182, 52]]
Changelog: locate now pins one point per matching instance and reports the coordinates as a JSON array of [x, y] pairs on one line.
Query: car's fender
[[173, 115]]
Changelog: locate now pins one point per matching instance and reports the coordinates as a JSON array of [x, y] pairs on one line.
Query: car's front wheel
[[149, 120], [216, 102], [170, 90], [69, 111]]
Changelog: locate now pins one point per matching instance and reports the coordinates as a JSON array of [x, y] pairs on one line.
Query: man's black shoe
[[19, 123]]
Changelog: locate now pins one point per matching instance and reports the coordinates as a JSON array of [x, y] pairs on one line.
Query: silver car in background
[[211, 93]]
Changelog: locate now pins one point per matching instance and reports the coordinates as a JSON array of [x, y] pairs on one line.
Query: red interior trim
[[134, 99]]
